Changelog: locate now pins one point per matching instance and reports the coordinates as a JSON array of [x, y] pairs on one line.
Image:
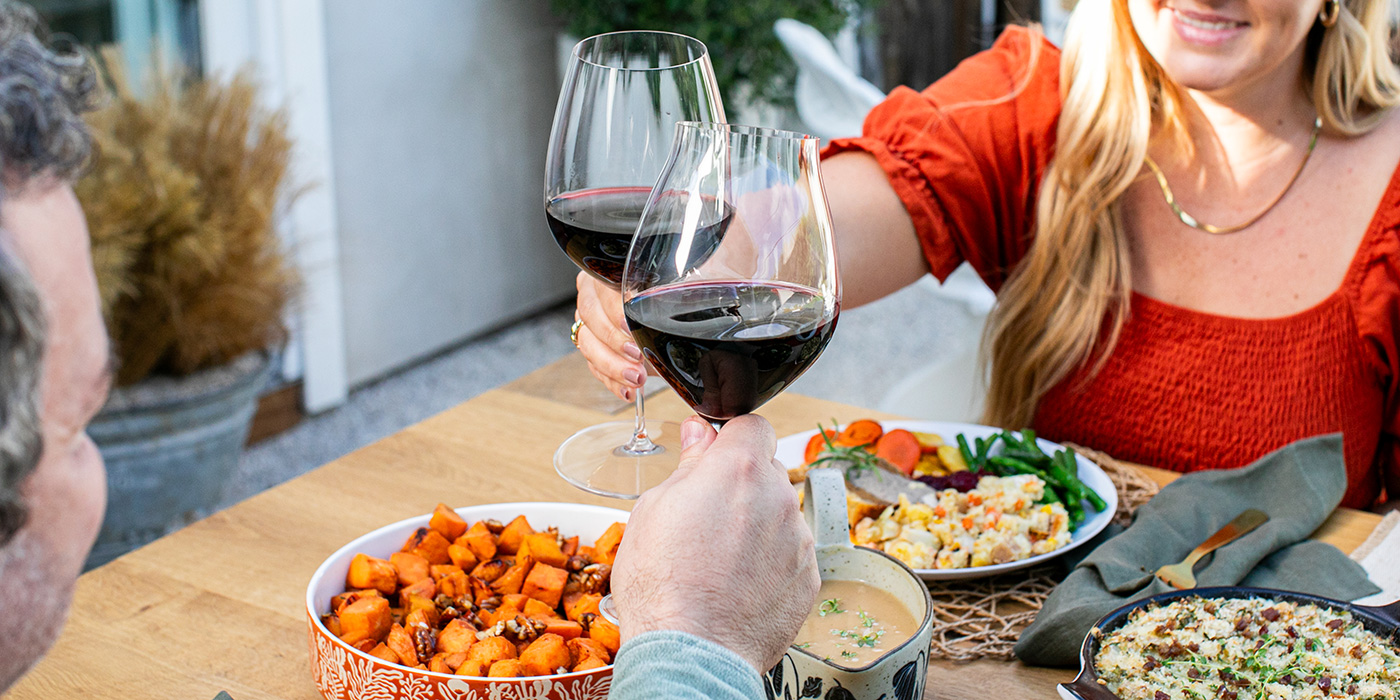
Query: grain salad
[[1000, 521], [1232, 649]]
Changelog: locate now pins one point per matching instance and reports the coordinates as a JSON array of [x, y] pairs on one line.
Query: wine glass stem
[[640, 444]]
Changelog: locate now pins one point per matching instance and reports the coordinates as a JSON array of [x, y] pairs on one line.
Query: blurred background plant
[[181, 200], [739, 34]]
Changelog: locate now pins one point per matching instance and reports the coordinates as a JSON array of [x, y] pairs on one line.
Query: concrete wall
[[440, 112]]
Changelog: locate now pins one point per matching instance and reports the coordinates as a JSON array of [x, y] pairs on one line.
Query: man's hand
[[720, 549]]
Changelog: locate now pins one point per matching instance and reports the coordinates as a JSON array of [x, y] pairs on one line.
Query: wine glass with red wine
[[730, 288], [623, 94]]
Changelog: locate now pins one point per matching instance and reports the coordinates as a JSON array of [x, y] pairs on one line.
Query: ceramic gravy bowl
[[897, 675]]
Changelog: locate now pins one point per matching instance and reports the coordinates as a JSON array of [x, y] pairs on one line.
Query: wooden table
[[219, 605]]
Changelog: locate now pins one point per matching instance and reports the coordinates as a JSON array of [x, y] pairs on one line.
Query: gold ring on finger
[[573, 332]]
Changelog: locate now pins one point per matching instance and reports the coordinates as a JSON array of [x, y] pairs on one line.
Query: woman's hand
[[604, 339], [720, 549]]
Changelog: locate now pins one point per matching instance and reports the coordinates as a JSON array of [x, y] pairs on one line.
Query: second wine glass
[[622, 96], [731, 287]]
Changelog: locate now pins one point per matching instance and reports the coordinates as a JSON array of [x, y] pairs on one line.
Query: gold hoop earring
[[1331, 10]]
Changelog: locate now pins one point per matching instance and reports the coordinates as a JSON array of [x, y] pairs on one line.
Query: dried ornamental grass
[[180, 201]]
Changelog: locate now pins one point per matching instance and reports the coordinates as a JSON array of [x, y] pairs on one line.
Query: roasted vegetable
[[464, 613], [429, 544], [544, 655], [545, 583], [365, 619], [447, 522], [370, 572], [901, 449]]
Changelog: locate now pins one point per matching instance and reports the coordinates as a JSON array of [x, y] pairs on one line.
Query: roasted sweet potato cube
[[473, 667], [514, 533], [515, 600], [481, 590], [544, 547], [583, 646], [586, 552], [371, 572], [547, 653], [588, 663], [410, 567], [491, 569], [505, 612], [570, 547], [487, 617], [401, 642], [438, 664], [365, 645], [492, 649], [385, 653], [514, 577], [605, 549], [456, 636], [429, 544], [366, 618], [446, 521], [586, 603], [332, 623], [536, 610], [545, 584], [418, 609], [605, 633], [564, 628], [505, 668], [339, 602], [480, 540], [441, 571], [424, 588], [462, 557], [454, 585]]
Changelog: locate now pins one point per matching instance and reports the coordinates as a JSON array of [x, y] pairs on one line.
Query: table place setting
[[956, 561], [1298, 486]]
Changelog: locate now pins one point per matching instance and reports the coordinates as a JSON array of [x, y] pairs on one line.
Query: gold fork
[[1182, 576]]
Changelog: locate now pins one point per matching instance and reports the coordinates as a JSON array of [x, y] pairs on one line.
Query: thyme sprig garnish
[[855, 458]]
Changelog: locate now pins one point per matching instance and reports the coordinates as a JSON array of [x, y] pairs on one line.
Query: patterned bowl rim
[[350, 549]]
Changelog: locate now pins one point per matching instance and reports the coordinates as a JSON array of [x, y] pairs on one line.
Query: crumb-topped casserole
[[1232, 649]]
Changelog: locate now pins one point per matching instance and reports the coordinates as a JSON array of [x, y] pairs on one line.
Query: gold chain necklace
[[1191, 220]]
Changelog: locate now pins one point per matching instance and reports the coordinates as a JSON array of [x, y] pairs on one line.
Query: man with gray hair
[[54, 368]]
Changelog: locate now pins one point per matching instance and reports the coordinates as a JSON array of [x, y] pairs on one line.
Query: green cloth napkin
[[1297, 485]]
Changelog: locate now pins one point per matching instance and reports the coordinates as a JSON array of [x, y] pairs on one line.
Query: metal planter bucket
[[170, 446]]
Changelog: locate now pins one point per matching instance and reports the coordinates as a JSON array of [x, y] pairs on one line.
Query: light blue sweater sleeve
[[669, 664]]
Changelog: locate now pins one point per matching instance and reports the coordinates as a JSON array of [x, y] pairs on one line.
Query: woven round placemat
[[983, 618]]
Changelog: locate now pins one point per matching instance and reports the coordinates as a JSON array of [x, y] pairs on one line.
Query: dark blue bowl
[[1382, 621]]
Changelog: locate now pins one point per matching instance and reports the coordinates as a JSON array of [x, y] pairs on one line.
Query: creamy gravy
[[854, 623]]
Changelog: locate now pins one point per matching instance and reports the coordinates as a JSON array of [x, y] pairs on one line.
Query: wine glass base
[[594, 460]]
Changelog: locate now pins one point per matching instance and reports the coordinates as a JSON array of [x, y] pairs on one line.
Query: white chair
[[949, 388], [832, 100]]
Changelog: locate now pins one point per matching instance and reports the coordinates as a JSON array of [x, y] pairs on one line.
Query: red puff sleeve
[[1377, 296], [966, 154]]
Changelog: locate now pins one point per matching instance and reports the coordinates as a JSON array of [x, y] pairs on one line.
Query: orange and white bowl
[[343, 672]]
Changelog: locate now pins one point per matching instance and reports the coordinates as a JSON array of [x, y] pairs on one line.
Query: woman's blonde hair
[[1065, 304]]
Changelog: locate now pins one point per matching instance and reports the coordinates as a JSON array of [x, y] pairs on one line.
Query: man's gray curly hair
[[43, 93]]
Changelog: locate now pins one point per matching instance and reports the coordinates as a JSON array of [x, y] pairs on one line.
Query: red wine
[[595, 229], [729, 347]]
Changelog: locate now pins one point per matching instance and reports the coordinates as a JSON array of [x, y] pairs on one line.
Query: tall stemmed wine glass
[[731, 289], [622, 97]]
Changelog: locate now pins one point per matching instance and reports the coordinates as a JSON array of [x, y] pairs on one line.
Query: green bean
[[1032, 458], [1065, 468], [966, 452]]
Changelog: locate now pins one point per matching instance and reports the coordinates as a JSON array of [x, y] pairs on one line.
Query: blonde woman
[[1191, 217]]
